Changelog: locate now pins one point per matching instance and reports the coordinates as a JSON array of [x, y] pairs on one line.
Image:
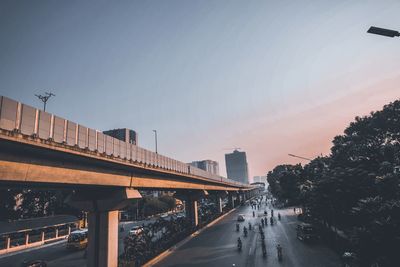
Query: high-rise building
[[124, 134], [207, 165], [236, 166], [260, 179]]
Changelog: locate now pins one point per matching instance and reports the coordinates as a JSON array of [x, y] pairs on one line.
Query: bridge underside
[[22, 163]]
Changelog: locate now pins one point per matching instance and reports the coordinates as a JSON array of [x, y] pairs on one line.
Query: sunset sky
[[270, 77]]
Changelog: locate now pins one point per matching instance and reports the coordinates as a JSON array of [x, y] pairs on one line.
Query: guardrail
[[29, 121]]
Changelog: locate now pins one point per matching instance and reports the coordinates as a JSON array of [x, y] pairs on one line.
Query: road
[[217, 245], [57, 255]]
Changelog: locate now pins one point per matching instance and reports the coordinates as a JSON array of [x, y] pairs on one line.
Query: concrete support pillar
[[8, 242], [190, 197], [102, 207], [219, 204], [231, 201], [69, 230], [103, 236], [26, 238], [192, 211], [42, 237], [56, 232]]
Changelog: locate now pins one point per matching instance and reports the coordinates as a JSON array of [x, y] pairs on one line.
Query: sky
[[271, 77]]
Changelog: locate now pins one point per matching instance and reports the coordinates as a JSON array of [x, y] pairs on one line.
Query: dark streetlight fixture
[[44, 98], [384, 32], [155, 137]]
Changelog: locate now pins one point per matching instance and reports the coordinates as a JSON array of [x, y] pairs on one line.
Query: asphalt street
[[217, 245], [57, 255]]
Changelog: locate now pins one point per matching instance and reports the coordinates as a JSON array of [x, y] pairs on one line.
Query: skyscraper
[[207, 165], [124, 134], [236, 166]]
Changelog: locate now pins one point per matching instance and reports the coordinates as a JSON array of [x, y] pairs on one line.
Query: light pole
[[44, 98], [383, 32], [155, 137]]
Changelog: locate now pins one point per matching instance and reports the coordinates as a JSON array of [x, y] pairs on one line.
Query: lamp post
[[383, 32], [44, 98], [155, 137]]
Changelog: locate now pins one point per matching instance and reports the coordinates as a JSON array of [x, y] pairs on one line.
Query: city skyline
[[229, 72]]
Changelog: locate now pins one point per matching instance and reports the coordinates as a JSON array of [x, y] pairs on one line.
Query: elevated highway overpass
[[41, 149]]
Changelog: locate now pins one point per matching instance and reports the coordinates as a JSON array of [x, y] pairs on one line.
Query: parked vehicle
[[306, 231], [78, 239], [240, 218], [136, 230]]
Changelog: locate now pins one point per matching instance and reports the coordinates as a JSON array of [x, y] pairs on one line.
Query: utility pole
[[155, 137], [44, 98]]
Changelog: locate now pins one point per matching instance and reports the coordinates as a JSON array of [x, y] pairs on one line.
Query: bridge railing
[[29, 121]]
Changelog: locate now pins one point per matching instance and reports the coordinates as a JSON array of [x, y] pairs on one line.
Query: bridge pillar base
[[102, 248], [231, 201], [219, 204], [190, 198], [192, 211], [103, 206]]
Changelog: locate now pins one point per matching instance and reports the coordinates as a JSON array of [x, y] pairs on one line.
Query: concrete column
[[231, 201], [56, 232], [102, 207], [42, 236], [219, 204], [8, 242], [103, 239], [192, 211], [69, 230], [26, 238]]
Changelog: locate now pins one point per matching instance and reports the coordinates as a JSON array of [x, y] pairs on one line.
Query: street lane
[[57, 255], [216, 246]]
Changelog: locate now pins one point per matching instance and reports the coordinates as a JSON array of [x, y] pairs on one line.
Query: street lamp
[[155, 137], [44, 98], [384, 32]]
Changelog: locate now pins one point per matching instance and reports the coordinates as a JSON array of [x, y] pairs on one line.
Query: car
[[240, 218], [34, 263], [136, 230], [306, 231]]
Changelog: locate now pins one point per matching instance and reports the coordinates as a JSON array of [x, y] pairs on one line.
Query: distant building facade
[[236, 166], [260, 179], [124, 134], [207, 165]]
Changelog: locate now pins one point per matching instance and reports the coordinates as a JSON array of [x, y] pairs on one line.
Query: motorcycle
[[279, 250], [271, 221], [239, 244], [264, 250], [249, 226], [237, 227], [279, 216], [245, 231], [254, 214]]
